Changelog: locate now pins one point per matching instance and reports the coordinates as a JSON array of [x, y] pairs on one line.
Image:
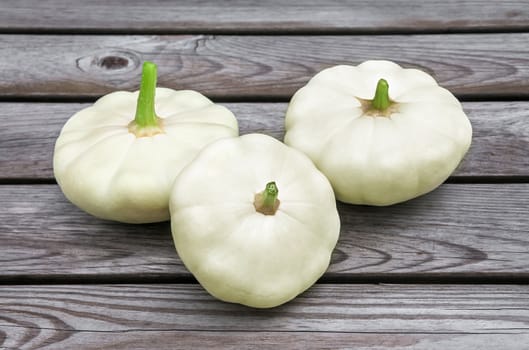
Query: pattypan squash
[[118, 158], [381, 134], [254, 220]]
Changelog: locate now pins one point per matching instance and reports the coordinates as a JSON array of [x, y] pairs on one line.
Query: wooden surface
[[253, 67], [464, 231], [262, 16], [457, 259], [499, 144], [328, 316]]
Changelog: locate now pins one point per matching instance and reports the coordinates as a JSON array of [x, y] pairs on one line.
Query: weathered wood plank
[[229, 340], [257, 16], [253, 66], [164, 316], [459, 231], [500, 140]]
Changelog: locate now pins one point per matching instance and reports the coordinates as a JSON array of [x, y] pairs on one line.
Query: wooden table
[[448, 270]]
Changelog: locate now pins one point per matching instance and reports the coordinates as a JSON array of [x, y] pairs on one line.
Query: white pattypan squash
[[247, 245], [118, 162], [376, 148]]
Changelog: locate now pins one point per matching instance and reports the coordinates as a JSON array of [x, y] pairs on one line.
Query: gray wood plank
[[465, 231], [258, 16], [246, 67], [171, 316], [229, 340], [499, 148]]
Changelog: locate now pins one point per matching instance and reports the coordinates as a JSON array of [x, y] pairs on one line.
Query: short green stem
[[267, 202], [381, 100], [145, 114], [270, 194]]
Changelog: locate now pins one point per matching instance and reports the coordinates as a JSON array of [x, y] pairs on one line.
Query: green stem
[[266, 202], [270, 195], [145, 114], [381, 100]]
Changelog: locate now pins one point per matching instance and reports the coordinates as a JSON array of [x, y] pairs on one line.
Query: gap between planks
[[263, 99], [298, 17], [263, 32], [376, 278], [455, 179]]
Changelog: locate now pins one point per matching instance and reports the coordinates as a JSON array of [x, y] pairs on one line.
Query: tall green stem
[[381, 100], [145, 114]]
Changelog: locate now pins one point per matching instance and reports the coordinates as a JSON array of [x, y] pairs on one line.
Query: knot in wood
[[109, 62], [113, 62]]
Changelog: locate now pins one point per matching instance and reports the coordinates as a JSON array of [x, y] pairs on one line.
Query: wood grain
[[462, 232], [265, 17], [465, 231], [499, 148], [230, 340], [172, 316], [251, 67]]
